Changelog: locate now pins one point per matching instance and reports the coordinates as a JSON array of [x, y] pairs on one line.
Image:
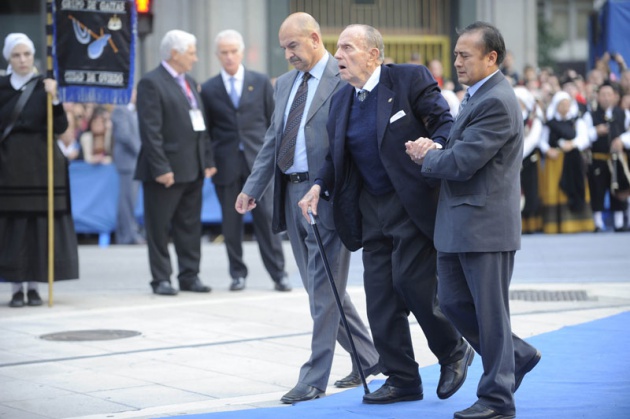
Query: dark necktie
[[289, 137], [362, 95], [464, 102]]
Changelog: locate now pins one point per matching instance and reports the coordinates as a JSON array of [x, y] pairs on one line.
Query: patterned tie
[[362, 95], [181, 79], [233, 93], [464, 102], [287, 145]]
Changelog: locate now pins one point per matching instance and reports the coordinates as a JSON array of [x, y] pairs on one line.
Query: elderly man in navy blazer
[[239, 104], [478, 226], [381, 202]]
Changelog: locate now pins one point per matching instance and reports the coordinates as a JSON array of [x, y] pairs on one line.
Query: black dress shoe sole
[[469, 355], [407, 398], [201, 288], [292, 401], [164, 291]]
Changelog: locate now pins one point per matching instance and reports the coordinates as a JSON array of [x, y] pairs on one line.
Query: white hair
[[176, 40], [230, 35]]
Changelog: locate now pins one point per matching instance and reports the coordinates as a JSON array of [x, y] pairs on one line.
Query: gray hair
[[176, 40], [373, 39], [230, 35]]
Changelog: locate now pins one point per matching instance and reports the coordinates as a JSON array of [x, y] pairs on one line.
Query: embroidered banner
[[94, 43]]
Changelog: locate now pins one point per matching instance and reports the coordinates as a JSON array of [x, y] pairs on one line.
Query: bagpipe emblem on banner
[[94, 43]]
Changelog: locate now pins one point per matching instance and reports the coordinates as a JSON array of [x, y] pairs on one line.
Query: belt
[[601, 156], [296, 177]]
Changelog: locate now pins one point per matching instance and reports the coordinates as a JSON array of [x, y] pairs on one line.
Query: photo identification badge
[[197, 120]]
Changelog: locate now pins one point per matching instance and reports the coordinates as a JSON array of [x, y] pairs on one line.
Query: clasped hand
[[418, 149]]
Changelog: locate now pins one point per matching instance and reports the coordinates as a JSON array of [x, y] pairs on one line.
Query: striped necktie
[[286, 152]]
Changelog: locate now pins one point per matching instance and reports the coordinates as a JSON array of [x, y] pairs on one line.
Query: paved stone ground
[[226, 351]]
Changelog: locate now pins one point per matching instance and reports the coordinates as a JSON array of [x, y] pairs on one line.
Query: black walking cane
[[355, 354]]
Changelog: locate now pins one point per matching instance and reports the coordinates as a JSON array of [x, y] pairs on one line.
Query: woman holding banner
[[23, 178]]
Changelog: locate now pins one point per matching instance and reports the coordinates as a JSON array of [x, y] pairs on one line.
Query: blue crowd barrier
[[94, 195]]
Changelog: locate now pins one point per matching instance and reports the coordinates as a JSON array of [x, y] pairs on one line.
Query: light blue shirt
[[472, 89], [239, 77], [300, 161]]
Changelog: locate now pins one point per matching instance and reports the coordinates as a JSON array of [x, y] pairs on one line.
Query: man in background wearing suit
[[127, 143], [478, 226], [295, 147], [174, 158], [382, 203], [239, 105]]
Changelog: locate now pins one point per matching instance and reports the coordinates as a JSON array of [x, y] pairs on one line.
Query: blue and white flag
[[93, 51]]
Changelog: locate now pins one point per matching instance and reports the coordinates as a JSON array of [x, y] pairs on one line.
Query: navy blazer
[[479, 207], [409, 106], [230, 127]]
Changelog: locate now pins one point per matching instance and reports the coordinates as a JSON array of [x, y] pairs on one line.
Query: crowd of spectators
[[575, 175], [567, 161]]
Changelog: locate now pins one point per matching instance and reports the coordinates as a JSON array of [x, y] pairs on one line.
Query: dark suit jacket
[[229, 126], [169, 143], [479, 207], [407, 89], [265, 167]]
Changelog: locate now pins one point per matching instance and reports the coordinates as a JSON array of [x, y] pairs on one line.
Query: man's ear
[[315, 39], [492, 58], [374, 54]]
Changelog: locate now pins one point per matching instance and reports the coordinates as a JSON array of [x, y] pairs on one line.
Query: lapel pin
[[389, 100], [250, 88]]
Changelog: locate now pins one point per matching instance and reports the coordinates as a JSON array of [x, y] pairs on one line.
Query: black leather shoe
[[283, 284], [453, 375], [479, 411], [164, 288], [194, 286], [302, 393], [390, 394], [354, 378], [237, 284], [33, 298], [518, 375], [17, 300]]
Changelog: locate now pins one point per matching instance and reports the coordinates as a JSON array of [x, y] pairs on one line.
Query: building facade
[[424, 29]]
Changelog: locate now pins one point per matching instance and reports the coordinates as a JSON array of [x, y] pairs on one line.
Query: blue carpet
[[584, 373]]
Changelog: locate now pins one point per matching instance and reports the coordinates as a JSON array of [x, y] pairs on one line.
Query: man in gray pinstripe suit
[[301, 40]]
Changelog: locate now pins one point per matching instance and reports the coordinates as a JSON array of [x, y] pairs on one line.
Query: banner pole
[[51, 208]]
